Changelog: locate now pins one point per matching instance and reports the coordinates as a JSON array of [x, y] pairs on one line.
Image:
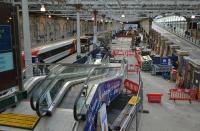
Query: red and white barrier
[[182, 94]]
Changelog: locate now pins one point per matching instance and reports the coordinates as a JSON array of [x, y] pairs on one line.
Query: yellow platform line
[[18, 120]]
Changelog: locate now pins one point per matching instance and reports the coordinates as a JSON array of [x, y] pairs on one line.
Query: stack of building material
[[162, 46], [182, 52], [158, 44], [196, 83], [146, 63], [173, 49], [145, 51], [167, 48], [181, 61], [194, 65]]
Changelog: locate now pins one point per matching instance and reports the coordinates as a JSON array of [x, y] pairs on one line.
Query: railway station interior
[[99, 65]]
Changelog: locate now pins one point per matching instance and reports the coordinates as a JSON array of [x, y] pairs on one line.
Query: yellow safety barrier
[[133, 100], [18, 120]]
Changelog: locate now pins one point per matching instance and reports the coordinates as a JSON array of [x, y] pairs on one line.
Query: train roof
[[54, 45]]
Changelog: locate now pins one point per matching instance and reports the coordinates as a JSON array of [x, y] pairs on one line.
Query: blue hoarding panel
[[105, 93]]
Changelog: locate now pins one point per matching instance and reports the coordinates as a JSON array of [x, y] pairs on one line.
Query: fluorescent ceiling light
[[42, 8], [193, 16]]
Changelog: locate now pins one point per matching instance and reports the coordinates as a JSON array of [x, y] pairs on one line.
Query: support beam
[[27, 40], [78, 7], [95, 29]]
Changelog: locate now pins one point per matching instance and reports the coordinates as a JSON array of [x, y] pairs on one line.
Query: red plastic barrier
[[138, 58], [154, 97], [182, 94], [131, 86], [122, 53], [133, 68]]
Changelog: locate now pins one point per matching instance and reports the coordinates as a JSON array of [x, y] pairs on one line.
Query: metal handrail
[[133, 110], [86, 93], [49, 87], [32, 99]]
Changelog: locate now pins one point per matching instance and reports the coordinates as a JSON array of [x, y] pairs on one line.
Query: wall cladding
[[44, 30]]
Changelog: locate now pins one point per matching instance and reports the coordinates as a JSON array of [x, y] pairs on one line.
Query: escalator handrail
[[43, 95], [32, 96], [46, 88], [44, 92], [85, 87], [54, 102]]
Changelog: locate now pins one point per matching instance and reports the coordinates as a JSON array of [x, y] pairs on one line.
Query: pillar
[[95, 29], [27, 40], [104, 28], [78, 33]]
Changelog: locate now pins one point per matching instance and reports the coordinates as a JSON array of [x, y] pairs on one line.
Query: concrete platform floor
[[167, 116]]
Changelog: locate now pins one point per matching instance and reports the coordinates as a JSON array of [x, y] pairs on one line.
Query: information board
[[6, 61], [5, 38], [10, 63], [6, 55]]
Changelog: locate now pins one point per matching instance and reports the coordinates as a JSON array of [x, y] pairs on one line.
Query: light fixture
[[92, 18], [101, 20], [10, 18], [42, 8], [123, 16], [67, 18], [193, 16], [49, 16]]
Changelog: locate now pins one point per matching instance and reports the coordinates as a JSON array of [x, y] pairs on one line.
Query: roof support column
[[78, 7], [27, 40], [95, 29], [104, 28]]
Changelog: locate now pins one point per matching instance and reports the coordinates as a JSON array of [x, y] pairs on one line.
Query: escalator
[[68, 87], [70, 97], [55, 85]]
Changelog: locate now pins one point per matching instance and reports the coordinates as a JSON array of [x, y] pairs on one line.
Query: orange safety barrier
[[133, 68], [138, 58], [182, 94], [131, 86], [122, 53]]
